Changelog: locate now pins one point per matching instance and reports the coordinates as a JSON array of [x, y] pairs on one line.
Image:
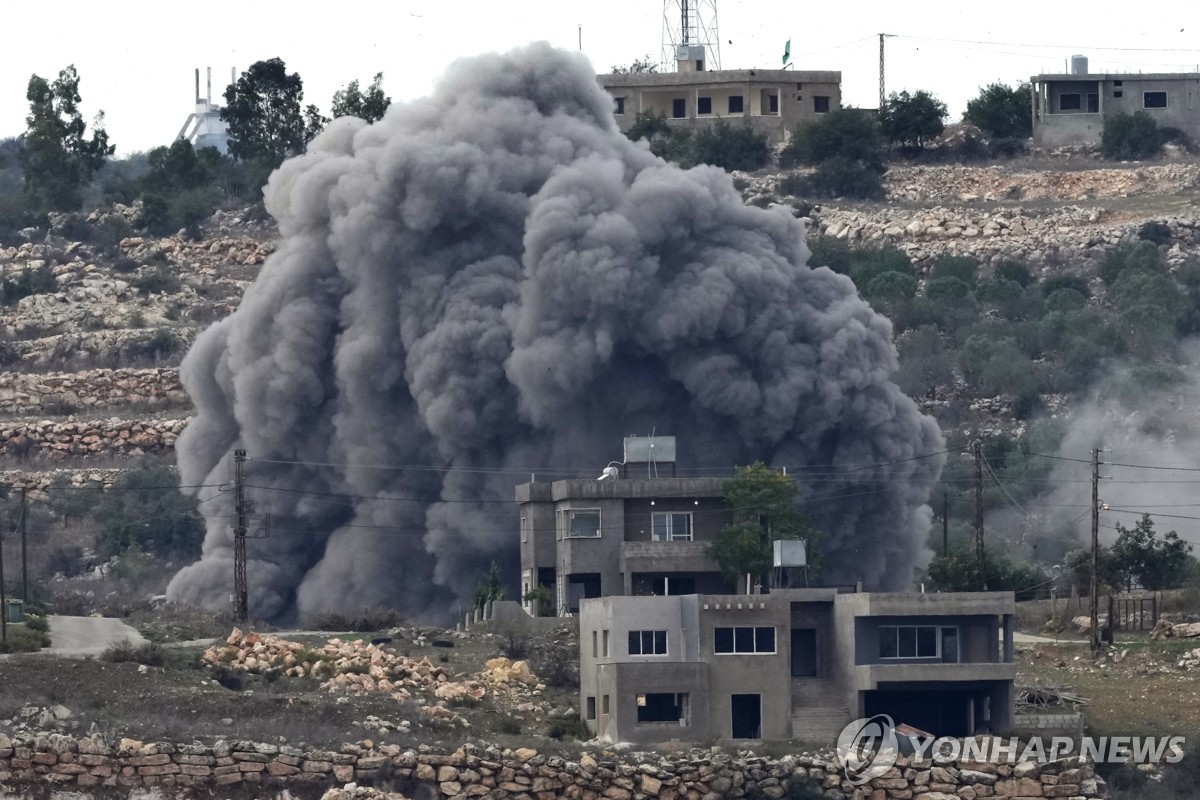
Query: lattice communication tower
[[690, 23]]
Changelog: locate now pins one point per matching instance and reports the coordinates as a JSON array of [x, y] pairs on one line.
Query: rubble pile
[[1175, 630]]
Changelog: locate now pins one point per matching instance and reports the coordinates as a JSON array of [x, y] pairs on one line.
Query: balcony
[[869, 676], [666, 557]]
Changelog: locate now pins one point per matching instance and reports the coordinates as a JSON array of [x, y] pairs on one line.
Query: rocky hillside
[[93, 330]]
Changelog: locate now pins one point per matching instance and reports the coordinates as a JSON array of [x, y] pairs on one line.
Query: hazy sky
[[136, 58]]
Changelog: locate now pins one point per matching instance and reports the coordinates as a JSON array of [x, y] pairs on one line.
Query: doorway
[[804, 652], [746, 712]]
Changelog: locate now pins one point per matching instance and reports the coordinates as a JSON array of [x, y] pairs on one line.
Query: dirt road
[[75, 637]]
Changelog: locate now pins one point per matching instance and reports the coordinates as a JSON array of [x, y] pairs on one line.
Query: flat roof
[[665, 79], [1118, 76]]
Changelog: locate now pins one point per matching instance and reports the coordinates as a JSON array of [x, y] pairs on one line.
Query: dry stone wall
[[26, 393], [77, 437], [523, 774]]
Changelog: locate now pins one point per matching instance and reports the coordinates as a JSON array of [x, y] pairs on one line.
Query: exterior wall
[[818, 616], [1053, 128], [766, 675], [796, 91], [978, 638]]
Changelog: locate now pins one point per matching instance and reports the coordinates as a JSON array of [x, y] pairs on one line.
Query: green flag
[[787, 52]]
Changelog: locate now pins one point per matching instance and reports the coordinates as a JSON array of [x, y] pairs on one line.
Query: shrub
[[1002, 112], [844, 177], [557, 666], [1142, 255], [946, 288], [847, 133], [1130, 137], [366, 620], [730, 147], [515, 648], [960, 267], [37, 624], [1014, 271], [1065, 299], [891, 287], [150, 653], [29, 282], [1066, 280], [1156, 232], [24, 640], [569, 728], [912, 120], [509, 726], [838, 255]]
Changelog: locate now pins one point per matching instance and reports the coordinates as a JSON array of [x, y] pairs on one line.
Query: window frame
[[619, 106], [680, 700], [1165, 100], [818, 101], [700, 103], [741, 103], [524, 529], [590, 709], [670, 533], [568, 518], [642, 636], [773, 103], [678, 104], [916, 641], [756, 632]]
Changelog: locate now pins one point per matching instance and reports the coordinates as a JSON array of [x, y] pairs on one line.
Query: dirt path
[[74, 637]]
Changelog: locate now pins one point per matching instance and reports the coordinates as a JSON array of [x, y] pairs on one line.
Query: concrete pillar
[[628, 579], [487, 611], [1008, 638]]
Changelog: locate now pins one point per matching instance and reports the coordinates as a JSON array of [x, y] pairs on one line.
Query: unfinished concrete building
[[639, 531], [1070, 108], [795, 664], [772, 101]]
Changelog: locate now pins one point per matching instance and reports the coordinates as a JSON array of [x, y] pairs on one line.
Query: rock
[[524, 753]]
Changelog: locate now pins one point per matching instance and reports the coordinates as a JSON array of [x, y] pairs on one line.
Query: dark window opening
[[773, 104], [735, 104], [1118, 83], [820, 104], [704, 105], [661, 707], [591, 708], [744, 639], [618, 105], [1118, 93], [647, 643], [1069, 102], [699, 65], [916, 641], [604, 709], [746, 713], [584, 524], [668, 585], [679, 108], [1093, 103], [1154, 99]]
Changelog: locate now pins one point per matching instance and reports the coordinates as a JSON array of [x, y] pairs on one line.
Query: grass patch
[[151, 654], [24, 640]]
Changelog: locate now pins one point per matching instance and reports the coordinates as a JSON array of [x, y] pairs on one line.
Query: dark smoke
[[494, 279]]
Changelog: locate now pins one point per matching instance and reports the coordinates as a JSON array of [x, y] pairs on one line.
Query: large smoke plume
[[494, 280]]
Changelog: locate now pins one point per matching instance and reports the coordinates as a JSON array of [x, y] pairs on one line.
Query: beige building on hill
[[773, 101]]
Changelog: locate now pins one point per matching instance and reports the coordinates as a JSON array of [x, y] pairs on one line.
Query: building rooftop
[[651, 79], [1117, 76]]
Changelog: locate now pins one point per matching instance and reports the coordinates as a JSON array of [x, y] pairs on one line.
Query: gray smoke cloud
[[494, 279]]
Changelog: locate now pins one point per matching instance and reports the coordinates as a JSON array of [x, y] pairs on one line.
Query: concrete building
[[639, 531], [794, 664], [773, 101], [204, 126], [1070, 108]]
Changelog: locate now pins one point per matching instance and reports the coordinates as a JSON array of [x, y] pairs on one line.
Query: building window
[[679, 108], [670, 526], [773, 104], [744, 640], [618, 105], [820, 104], [1118, 83], [1093, 103], [662, 707], [647, 643], [1154, 99], [595, 644], [704, 105], [1118, 93], [605, 640], [735, 104], [524, 530], [591, 708], [583, 524], [911, 641], [1069, 102], [604, 709]]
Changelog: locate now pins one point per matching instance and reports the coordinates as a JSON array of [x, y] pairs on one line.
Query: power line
[[1051, 46]]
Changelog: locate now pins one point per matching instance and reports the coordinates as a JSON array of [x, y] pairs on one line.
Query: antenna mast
[[690, 23]]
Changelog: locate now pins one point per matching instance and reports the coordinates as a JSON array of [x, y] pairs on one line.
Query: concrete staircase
[[817, 713]]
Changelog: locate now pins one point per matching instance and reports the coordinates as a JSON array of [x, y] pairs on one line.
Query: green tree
[[264, 115], [145, 508], [1139, 555], [891, 287], [353, 102], [1130, 137], [177, 188], [490, 588], [1014, 271], [912, 120], [946, 289], [963, 268], [1002, 111], [924, 363], [848, 151], [961, 571], [648, 125], [57, 155], [763, 503], [638, 66]]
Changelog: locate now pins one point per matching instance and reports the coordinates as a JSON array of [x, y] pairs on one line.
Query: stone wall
[[49, 760], [65, 392], [76, 437]]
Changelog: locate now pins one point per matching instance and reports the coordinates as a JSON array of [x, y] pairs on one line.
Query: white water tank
[[1079, 65]]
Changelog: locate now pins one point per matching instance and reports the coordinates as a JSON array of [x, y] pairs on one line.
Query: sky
[[136, 58]]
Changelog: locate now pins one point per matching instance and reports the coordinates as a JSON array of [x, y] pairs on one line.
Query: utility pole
[[882, 96], [1095, 598], [979, 552], [945, 524], [3, 603], [240, 611], [24, 559]]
